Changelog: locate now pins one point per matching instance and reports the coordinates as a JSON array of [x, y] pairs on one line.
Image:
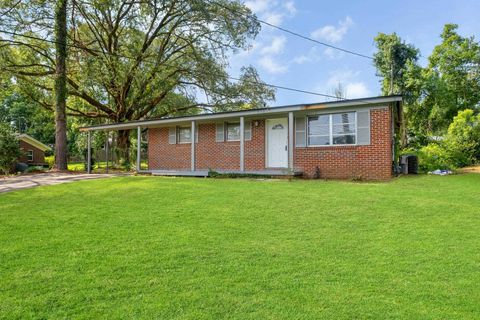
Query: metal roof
[[246, 113], [32, 141]]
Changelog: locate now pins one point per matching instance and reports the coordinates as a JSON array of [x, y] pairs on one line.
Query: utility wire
[[132, 58], [293, 32]]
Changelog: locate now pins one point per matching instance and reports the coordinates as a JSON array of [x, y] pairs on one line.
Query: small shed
[[32, 150]]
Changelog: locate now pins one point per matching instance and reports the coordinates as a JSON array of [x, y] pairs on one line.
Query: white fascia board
[[367, 102]]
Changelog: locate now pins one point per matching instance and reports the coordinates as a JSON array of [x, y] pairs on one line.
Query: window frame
[[226, 131], [330, 120], [29, 155], [178, 135]]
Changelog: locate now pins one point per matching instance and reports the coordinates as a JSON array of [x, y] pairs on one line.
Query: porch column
[[139, 144], [242, 144], [89, 152], [290, 140], [107, 142], [192, 157]]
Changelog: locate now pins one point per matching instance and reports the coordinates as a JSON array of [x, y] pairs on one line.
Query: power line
[[132, 58], [295, 33]]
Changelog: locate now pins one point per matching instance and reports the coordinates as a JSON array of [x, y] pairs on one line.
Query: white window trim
[[178, 135], [225, 128], [331, 132], [28, 156]]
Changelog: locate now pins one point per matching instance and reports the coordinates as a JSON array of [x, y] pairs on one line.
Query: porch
[[206, 173]]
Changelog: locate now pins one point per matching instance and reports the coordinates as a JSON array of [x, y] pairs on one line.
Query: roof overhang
[[364, 102], [33, 142]]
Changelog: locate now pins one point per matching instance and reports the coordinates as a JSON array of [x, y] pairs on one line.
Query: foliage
[[35, 169], [231, 175], [392, 59], [433, 157], [132, 60], [434, 94], [26, 116], [9, 148], [463, 139], [178, 248], [459, 148], [50, 160]]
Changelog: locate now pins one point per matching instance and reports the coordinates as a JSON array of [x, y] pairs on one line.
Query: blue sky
[[286, 60]]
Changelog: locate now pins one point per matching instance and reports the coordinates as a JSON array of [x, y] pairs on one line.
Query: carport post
[[242, 144], [106, 148], [89, 152], [192, 155], [139, 143]]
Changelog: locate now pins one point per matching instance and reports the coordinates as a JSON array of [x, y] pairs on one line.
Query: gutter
[[254, 112]]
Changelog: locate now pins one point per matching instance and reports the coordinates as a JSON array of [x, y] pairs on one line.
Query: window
[[332, 129], [184, 135], [30, 155], [233, 131]]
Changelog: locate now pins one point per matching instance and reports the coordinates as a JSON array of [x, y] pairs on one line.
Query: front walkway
[[44, 179]]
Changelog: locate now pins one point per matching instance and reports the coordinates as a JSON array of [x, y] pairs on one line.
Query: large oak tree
[[129, 60]]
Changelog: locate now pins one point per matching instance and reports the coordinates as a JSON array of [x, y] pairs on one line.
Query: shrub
[[50, 160], [433, 157], [9, 148], [462, 141], [34, 169]]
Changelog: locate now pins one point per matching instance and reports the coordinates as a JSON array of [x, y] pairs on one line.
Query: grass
[[184, 248]]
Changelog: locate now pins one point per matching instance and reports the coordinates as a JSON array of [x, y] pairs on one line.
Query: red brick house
[[342, 140], [32, 150]]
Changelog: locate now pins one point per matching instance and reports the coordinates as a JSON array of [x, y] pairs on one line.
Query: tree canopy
[[133, 60], [435, 93]]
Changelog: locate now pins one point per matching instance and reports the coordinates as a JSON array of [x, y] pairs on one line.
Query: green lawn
[[175, 248]]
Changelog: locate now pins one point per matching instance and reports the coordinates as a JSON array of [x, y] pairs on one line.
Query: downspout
[[393, 110]]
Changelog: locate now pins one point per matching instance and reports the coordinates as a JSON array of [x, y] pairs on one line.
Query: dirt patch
[[473, 169]]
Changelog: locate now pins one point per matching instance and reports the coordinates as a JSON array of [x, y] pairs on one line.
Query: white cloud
[[273, 17], [290, 7], [354, 88], [271, 66], [276, 47], [342, 76], [333, 54], [310, 57], [258, 6], [331, 33], [272, 11], [357, 90]]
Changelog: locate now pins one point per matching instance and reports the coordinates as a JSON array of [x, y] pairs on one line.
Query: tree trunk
[[60, 85], [123, 144]]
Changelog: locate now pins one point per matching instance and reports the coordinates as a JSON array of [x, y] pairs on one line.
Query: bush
[[50, 160], [462, 141], [34, 169], [433, 157], [460, 148], [9, 149]]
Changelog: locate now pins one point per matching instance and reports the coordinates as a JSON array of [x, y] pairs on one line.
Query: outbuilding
[[32, 150]]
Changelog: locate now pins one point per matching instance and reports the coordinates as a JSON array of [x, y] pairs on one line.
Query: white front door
[[277, 143]]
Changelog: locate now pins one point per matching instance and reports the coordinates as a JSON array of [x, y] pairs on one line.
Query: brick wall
[[343, 162], [162, 155], [372, 161], [38, 155], [209, 153]]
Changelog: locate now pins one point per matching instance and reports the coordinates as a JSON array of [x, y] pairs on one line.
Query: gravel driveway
[[44, 179]]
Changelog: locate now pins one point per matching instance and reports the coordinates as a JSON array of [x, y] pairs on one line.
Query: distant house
[[32, 150], [341, 140]]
